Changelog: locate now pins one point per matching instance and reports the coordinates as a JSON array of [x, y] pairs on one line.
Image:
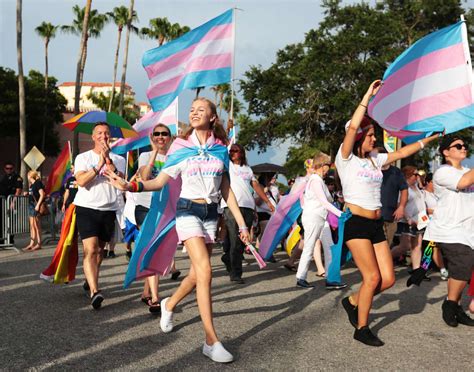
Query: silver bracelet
[[422, 145]]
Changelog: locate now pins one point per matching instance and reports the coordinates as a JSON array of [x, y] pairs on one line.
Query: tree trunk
[[21, 91], [43, 138], [79, 67], [125, 57], [112, 93]]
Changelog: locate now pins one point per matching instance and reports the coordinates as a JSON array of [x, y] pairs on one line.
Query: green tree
[[310, 91], [119, 15], [161, 30], [35, 116], [131, 112]]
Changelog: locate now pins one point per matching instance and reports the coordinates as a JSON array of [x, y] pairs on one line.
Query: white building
[[67, 89]]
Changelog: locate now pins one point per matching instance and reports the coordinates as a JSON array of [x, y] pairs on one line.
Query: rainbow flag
[[132, 164], [428, 88], [202, 57], [60, 172]]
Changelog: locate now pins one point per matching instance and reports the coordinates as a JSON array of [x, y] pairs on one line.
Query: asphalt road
[[267, 323]]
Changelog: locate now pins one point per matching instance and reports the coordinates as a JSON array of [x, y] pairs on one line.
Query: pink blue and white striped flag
[[202, 57], [232, 136], [145, 125], [428, 88]]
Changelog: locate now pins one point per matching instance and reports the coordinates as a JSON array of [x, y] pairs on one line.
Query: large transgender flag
[[145, 125], [202, 57], [428, 88]]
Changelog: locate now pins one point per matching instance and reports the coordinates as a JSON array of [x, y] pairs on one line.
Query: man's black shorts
[[459, 259], [91, 222]]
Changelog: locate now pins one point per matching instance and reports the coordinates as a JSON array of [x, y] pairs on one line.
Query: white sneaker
[[217, 353], [166, 321], [444, 274]]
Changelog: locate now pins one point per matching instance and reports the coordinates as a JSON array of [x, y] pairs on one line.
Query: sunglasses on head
[[459, 146], [162, 134]]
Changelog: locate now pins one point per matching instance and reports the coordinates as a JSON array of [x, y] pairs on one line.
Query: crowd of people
[[389, 214]]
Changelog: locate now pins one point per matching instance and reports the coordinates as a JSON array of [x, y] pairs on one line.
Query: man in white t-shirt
[[96, 203]]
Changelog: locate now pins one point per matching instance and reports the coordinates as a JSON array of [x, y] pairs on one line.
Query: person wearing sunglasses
[[11, 183], [452, 225], [149, 166]]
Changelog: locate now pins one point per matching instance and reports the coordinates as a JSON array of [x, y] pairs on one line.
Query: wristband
[[136, 186], [422, 145], [243, 228]]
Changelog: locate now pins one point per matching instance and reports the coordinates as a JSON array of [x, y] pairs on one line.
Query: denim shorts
[[196, 220]]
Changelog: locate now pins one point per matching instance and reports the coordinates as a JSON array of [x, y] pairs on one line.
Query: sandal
[[36, 247], [323, 275], [31, 245], [154, 307], [145, 300], [290, 268]]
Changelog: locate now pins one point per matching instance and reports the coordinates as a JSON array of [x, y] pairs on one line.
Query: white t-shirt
[[241, 178], [361, 179], [97, 194], [144, 198], [415, 204], [453, 218], [430, 199], [201, 175]]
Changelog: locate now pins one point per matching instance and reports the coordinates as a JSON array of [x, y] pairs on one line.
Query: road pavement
[[267, 323]]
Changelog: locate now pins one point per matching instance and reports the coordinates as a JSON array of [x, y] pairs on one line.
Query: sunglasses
[[8, 168], [234, 150], [459, 146], [162, 134]]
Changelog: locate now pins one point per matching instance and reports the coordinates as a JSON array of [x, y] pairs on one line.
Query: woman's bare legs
[[37, 233], [416, 251], [32, 235], [200, 276], [376, 266]]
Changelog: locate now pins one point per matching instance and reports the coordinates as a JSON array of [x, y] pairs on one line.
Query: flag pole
[[70, 151], [234, 15], [126, 166]]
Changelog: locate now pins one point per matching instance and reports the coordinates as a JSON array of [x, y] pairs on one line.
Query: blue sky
[[262, 28]]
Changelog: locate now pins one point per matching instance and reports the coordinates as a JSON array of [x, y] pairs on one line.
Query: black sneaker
[[96, 300], [237, 280], [303, 283], [366, 336], [105, 253], [332, 286], [112, 254], [175, 275], [463, 318], [351, 311], [450, 309], [85, 286]]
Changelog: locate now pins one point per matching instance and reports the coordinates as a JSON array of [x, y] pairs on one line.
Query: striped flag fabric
[[132, 164], [202, 57], [232, 136], [428, 88], [60, 172], [145, 125]]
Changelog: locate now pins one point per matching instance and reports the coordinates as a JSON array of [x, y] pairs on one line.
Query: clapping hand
[[116, 181]]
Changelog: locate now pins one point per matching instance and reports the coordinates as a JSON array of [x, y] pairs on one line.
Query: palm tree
[[77, 91], [176, 30], [125, 57], [95, 25], [220, 91], [47, 31], [159, 30], [102, 100], [120, 17], [21, 89]]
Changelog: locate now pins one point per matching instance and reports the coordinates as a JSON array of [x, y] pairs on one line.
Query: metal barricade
[[14, 218]]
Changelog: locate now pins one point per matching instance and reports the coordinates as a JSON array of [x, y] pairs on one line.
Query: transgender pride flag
[[145, 125], [428, 88], [202, 57]]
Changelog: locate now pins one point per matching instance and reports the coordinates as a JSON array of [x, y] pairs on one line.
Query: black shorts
[[263, 216], [140, 214], [459, 259], [358, 227], [91, 222]]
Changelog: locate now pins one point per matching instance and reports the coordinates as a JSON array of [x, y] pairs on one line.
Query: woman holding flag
[[361, 177], [202, 161]]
